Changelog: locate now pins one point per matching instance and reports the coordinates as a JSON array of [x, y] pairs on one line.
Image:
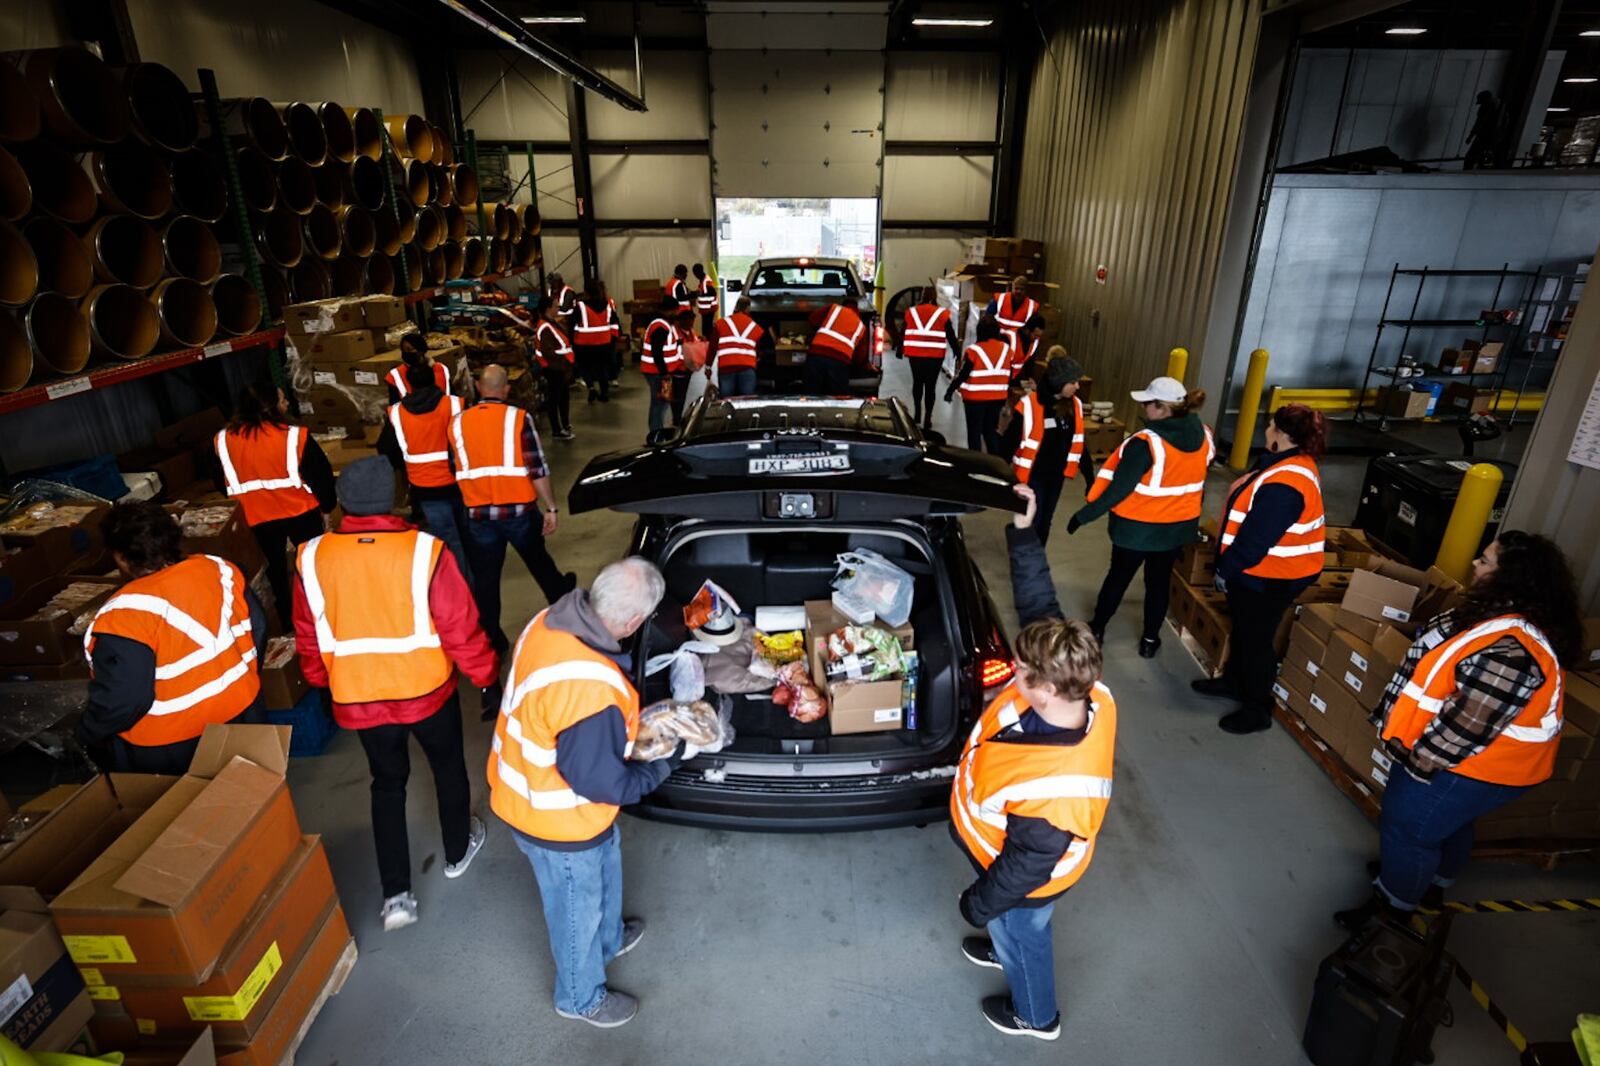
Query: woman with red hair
[[1269, 552]]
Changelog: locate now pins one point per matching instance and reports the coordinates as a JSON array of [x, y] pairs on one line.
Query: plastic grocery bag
[[688, 677], [869, 579]]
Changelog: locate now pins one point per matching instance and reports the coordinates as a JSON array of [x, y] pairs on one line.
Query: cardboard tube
[[455, 223], [514, 225], [338, 131], [64, 264], [60, 187], [406, 212], [307, 138], [411, 136], [132, 180], [188, 317], [19, 109], [386, 233], [465, 182], [263, 127], [258, 179], [444, 153], [297, 185], [368, 132], [16, 358], [413, 272], [58, 333], [439, 181], [359, 234], [363, 184], [526, 251], [192, 250], [198, 186], [348, 274], [276, 287], [433, 267], [418, 182], [16, 194], [528, 216], [123, 323], [125, 250], [323, 237], [380, 276], [455, 260], [278, 237], [159, 104], [330, 179], [309, 281], [81, 97], [502, 221], [430, 228], [474, 257], [238, 306]]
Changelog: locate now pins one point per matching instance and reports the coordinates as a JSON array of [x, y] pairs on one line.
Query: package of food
[[688, 676], [202, 522], [864, 653], [796, 692], [663, 724], [870, 580], [780, 648]]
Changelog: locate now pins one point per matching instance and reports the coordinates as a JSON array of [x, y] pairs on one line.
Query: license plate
[[798, 464]]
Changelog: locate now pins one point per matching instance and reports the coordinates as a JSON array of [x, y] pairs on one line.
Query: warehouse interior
[[1383, 211]]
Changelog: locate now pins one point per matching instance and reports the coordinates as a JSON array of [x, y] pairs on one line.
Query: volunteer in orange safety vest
[[928, 335], [832, 352], [705, 298], [280, 476], [382, 619], [559, 770], [1269, 552], [1473, 718], [1045, 437], [414, 352], [1153, 486], [174, 650], [553, 349], [595, 329], [1031, 791], [663, 364], [416, 440], [735, 342], [677, 288], [984, 380]]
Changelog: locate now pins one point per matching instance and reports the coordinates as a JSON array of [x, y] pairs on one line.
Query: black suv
[[760, 494]]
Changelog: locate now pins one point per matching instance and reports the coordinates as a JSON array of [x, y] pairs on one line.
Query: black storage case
[[1406, 502], [1380, 996]]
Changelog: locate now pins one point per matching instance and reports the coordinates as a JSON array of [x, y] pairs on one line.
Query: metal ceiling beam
[[569, 66]]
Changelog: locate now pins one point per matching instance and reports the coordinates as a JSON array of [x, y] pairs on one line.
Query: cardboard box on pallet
[[167, 896], [320, 317], [321, 970], [45, 625], [1580, 703], [68, 536], [350, 346], [1197, 563], [201, 1051], [1365, 667], [219, 529], [381, 312], [43, 1002]]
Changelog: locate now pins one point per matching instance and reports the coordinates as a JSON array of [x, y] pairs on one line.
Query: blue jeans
[[660, 407], [582, 896], [447, 520], [488, 540], [1425, 830], [736, 382], [1023, 944]]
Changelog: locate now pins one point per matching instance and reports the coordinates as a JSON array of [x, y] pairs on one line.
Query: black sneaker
[[998, 1012], [1216, 687], [980, 952], [1148, 646], [1099, 635], [1376, 905], [593, 395], [1244, 721]]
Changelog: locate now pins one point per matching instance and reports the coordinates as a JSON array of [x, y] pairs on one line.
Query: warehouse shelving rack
[[1411, 323], [1552, 301]]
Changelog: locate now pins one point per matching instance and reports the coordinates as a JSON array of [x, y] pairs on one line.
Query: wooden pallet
[[1192, 646], [330, 988]]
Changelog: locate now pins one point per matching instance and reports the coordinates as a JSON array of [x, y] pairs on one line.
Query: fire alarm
[[1100, 274]]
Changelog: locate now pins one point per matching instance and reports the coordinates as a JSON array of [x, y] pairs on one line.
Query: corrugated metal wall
[[1132, 136]]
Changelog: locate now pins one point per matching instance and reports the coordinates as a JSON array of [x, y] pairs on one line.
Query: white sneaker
[[399, 911], [475, 837]]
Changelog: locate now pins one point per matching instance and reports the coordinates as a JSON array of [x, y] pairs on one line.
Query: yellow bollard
[[1468, 519], [1177, 363], [880, 295], [1249, 410]]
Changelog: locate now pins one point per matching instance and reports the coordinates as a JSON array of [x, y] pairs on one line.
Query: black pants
[[117, 756], [275, 538], [983, 425], [1125, 562], [1252, 661], [389, 755], [594, 367], [708, 323], [825, 376], [1046, 485], [487, 539], [924, 383], [558, 395]]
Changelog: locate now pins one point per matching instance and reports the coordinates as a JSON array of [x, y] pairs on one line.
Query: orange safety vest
[[1035, 422], [1298, 553], [402, 388], [1006, 771], [425, 442], [990, 379], [737, 336], [1172, 490], [556, 681], [679, 291], [194, 617], [593, 328], [490, 466], [368, 593], [1013, 315], [563, 345], [1019, 358], [560, 298], [671, 348], [706, 298], [838, 336], [1525, 751], [924, 336], [262, 469]]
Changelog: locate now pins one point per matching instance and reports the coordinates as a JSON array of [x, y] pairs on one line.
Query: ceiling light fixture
[[553, 20], [976, 24], [1580, 81], [1405, 31], [1590, 33], [1557, 109]]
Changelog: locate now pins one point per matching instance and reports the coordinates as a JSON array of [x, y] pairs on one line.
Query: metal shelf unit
[[1552, 301]]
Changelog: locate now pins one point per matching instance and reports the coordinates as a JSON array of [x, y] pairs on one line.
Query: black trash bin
[[1406, 502]]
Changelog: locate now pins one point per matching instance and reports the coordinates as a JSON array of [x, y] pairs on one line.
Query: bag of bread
[[664, 723]]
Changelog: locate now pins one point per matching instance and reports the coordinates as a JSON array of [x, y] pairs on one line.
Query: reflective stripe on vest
[[563, 346], [274, 488], [1001, 772], [492, 432], [592, 327], [1172, 490], [679, 291], [736, 341], [834, 344], [1298, 552], [671, 353], [212, 682], [925, 332], [706, 298], [990, 378], [426, 468], [375, 631], [1009, 315], [1033, 427], [555, 682], [1075, 449], [1524, 753], [402, 388]]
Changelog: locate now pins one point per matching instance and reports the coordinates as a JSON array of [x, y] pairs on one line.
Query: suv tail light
[[992, 673]]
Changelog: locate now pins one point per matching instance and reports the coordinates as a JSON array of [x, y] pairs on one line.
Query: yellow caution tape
[[99, 949], [237, 1007]]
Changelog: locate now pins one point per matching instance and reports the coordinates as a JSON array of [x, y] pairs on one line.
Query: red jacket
[[455, 615]]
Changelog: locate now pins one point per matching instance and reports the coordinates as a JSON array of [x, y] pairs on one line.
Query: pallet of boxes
[[158, 912], [987, 269], [478, 346]]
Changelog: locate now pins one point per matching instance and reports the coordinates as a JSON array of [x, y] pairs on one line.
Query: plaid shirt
[[1493, 686], [533, 457]]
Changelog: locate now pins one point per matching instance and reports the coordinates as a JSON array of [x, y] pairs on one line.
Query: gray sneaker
[[475, 836], [399, 911], [632, 933], [614, 1009]]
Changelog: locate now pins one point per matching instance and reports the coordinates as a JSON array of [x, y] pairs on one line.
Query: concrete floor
[[1194, 938]]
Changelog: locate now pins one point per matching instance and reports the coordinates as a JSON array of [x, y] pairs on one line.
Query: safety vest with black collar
[[1172, 490], [1036, 422], [1013, 312], [397, 380], [593, 328], [737, 336], [678, 289], [490, 466], [705, 299], [193, 616], [564, 298], [1524, 752], [261, 469], [549, 330], [1022, 353], [989, 381], [671, 348], [425, 441], [838, 335], [1298, 553], [925, 332], [1005, 771], [556, 681]]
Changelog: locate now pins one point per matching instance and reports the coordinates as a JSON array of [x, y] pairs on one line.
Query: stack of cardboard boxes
[[152, 909], [988, 267]]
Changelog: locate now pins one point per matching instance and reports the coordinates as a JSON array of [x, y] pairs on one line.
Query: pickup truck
[[786, 295]]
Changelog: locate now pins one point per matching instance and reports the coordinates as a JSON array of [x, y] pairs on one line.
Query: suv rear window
[[834, 280]]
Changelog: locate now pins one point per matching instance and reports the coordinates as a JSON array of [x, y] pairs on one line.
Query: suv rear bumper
[[820, 805]]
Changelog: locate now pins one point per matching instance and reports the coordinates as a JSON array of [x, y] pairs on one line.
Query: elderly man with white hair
[[559, 771]]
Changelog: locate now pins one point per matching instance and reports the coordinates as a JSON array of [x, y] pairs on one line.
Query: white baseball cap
[[1163, 390]]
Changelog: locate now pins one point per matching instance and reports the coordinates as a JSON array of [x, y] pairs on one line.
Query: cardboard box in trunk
[[170, 893], [45, 625], [43, 1003], [853, 706]]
